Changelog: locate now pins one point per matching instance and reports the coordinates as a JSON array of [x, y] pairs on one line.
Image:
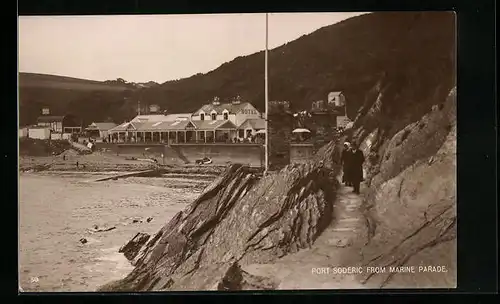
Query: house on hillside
[[324, 119], [336, 99], [99, 130], [236, 111]]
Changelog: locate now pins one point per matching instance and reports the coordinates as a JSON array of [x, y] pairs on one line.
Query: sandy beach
[[58, 209]]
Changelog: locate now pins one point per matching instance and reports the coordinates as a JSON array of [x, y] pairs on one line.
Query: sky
[[142, 48]]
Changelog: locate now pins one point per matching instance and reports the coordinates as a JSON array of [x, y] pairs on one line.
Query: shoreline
[[36, 165], [49, 246]]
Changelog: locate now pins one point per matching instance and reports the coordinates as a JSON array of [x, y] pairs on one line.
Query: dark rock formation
[[238, 279], [238, 219], [131, 249]]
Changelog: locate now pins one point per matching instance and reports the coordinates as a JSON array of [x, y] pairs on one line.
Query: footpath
[[319, 266]]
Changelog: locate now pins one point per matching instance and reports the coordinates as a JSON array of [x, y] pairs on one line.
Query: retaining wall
[[251, 154], [301, 153]]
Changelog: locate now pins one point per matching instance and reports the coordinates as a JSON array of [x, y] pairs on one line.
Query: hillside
[[31, 80], [93, 100], [354, 56]]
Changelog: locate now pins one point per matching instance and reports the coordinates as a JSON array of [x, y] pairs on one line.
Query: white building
[[23, 132], [212, 123], [237, 112], [336, 99], [38, 132], [100, 129]]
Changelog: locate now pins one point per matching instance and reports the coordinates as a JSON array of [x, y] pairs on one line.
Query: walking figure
[[356, 160]]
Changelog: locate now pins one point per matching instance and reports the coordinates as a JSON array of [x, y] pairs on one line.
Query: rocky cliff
[[239, 219], [410, 202]]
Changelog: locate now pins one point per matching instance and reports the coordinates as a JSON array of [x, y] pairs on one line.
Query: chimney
[[216, 101], [237, 100], [45, 111]]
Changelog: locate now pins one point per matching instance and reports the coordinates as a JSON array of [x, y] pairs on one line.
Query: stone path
[[314, 268]]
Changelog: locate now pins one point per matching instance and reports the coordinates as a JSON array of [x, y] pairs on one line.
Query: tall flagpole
[[266, 93]]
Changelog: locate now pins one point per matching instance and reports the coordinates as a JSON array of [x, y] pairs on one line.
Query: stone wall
[[221, 154], [301, 153]]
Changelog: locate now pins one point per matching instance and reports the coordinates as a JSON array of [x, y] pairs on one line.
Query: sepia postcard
[[278, 151]]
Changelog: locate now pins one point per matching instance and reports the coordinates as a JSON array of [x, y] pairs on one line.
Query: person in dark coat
[[345, 161], [356, 167]]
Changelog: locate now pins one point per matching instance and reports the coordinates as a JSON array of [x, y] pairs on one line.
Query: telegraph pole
[[266, 93]]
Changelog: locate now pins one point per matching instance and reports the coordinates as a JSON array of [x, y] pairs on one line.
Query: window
[[202, 116], [241, 133], [226, 116], [214, 116]]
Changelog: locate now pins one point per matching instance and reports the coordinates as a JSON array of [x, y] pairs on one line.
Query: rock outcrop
[[132, 248], [411, 203], [239, 219]]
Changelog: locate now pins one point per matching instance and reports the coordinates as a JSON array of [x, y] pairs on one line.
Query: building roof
[[210, 125], [152, 126], [127, 126], [161, 117], [255, 123], [50, 118], [179, 125], [164, 125], [337, 93], [232, 108], [102, 126]]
